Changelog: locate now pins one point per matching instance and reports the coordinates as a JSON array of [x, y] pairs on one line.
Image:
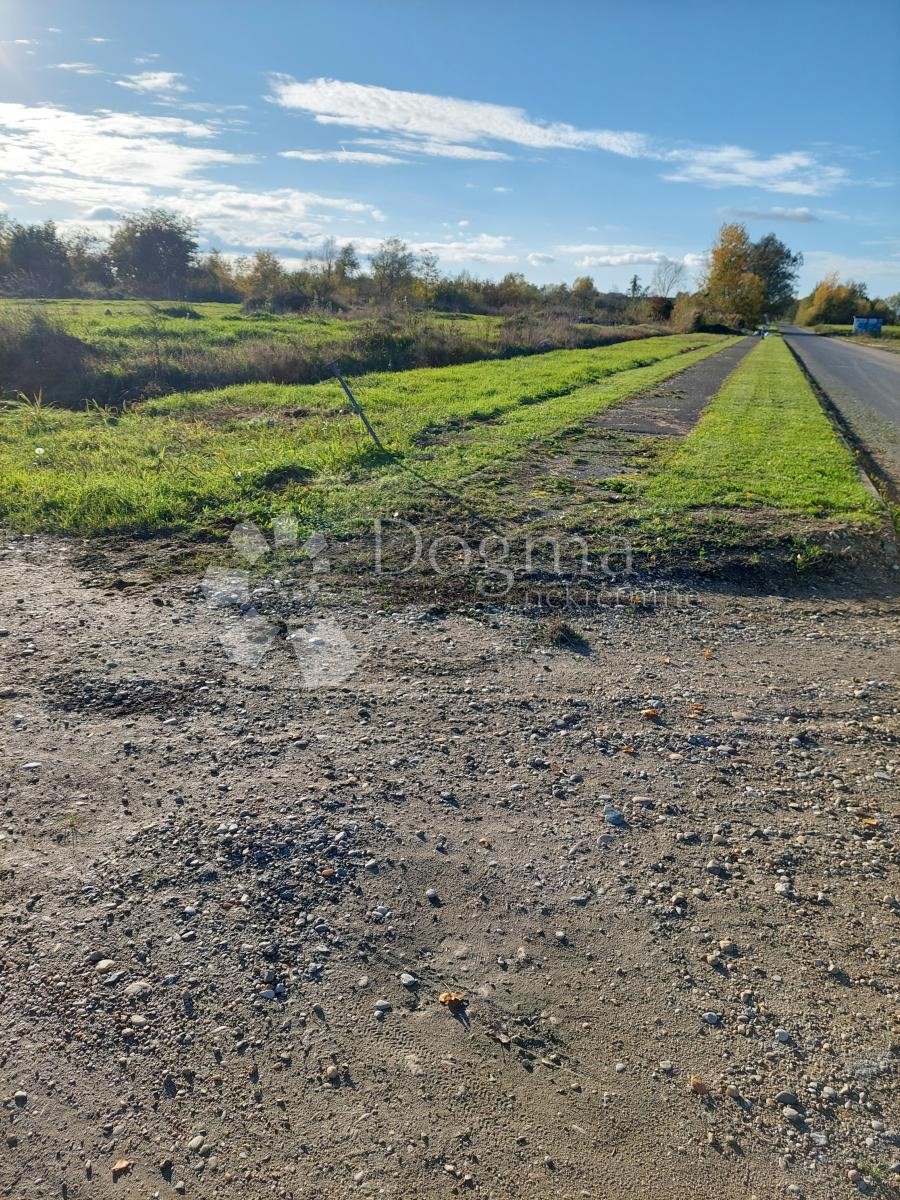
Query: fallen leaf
[[455, 1001], [120, 1167]]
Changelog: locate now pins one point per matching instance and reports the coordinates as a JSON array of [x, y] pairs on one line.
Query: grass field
[[202, 460], [118, 351]]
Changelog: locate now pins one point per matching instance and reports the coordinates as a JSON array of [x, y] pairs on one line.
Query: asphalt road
[[863, 383]]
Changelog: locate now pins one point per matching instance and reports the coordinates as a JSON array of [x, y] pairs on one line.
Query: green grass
[[764, 442], [119, 328], [201, 460]]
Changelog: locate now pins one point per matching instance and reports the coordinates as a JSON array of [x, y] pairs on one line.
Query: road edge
[[870, 472]]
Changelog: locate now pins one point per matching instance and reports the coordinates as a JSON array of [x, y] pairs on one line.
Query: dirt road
[[658, 872]]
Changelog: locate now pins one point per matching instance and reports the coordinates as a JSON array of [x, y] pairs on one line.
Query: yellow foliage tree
[[732, 289]]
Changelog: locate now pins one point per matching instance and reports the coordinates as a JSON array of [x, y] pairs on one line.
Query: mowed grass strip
[[201, 460], [764, 441]]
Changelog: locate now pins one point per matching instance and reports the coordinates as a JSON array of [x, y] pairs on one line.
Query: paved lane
[[863, 383]]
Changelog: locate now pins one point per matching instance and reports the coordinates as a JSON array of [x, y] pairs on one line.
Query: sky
[[557, 140]]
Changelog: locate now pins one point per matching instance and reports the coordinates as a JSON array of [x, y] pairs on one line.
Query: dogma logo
[[322, 649]]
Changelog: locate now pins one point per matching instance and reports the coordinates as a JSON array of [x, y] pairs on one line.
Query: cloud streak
[[369, 157], [419, 122], [152, 83]]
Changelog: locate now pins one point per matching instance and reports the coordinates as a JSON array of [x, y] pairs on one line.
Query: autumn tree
[[834, 303], [732, 288], [584, 293]]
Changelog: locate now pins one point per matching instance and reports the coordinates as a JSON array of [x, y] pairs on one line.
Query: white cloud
[[80, 68], [483, 248], [154, 82], [342, 156], [112, 162], [419, 122], [434, 149], [98, 41], [53, 29], [802, 216], [48, 141], [592, 254], [442, 119], [798, 172], [537, 260], [501, 189]]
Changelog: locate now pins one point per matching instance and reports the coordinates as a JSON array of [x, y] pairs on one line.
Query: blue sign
[[867, 325]]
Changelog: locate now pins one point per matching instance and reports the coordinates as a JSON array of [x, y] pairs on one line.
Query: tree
[[667, 276], [732, 288], [262, 278], [584, 294], [328, 255], [347, 262], [428, 274], [635, 291], [834, 303], [35, 260], [777, 267], [89, 261], [214, 279], [153, 253], [392, 264]]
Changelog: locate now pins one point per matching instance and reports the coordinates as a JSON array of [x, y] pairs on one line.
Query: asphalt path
[[863, 384]]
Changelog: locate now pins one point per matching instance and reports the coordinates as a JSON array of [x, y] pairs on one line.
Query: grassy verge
[[763, 481], [202, 460], [889, 339], [763, 442]]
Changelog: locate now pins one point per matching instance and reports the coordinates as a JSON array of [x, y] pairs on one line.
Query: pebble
[[712, 1018], [408, 981], [138, 989]]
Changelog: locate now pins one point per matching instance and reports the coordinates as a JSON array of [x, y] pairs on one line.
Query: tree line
[[155, 255]]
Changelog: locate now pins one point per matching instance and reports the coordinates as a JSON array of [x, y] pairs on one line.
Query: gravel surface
[[484, 917]]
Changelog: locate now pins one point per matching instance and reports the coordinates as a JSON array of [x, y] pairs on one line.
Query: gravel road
[[658, 874]]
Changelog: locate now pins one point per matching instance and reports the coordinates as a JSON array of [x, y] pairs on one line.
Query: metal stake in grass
[[357, 407]]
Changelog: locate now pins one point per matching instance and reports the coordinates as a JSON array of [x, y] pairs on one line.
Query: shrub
[[38, 356]]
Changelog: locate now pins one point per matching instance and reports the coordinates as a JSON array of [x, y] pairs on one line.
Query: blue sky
[[554, 139]]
